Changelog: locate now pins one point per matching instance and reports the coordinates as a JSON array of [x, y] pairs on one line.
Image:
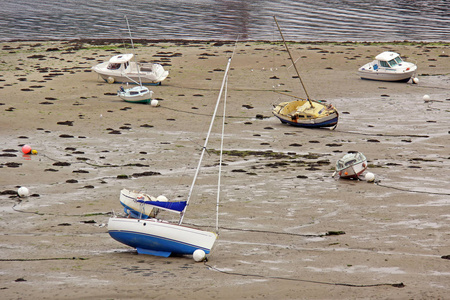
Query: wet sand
[[288, 230]]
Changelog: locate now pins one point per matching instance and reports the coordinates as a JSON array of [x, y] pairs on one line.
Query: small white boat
[[120, 69], [351, 166], [150, 235], [388, 66], [136, 94], [142, 206]]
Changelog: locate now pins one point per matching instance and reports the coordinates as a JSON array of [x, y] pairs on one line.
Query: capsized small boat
[[351, 165], [388, 66], [121, 69], [304, 112], [143, 206], [136, 94]]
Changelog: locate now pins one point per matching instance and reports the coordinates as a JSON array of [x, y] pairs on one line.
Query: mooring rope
[[397, 285]]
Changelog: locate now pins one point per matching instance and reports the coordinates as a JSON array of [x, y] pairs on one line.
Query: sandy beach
[[288, 229]]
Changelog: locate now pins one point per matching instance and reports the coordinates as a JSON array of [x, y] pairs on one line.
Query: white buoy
[[370, 177], [23, 192], [199, 255], [415, 80], [154, 103], [162, 198], [110, 79], [426, 98]]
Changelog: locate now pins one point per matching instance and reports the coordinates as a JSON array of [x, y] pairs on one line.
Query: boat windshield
[[113, 66], [393, 62], [384, 64], [398, 59]]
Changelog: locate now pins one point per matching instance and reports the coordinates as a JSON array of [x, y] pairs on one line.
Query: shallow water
[[308, 20]]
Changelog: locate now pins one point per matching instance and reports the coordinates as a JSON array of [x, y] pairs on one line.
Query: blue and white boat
[[142, 206], [148, 234]]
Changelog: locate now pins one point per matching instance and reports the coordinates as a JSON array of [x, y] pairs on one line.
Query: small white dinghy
[[136, 94], [388, 66], [351, 166]]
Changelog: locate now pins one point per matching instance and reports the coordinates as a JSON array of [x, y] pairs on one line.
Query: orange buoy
[[26, 149]]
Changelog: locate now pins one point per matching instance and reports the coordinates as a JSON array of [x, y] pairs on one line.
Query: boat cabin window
[[113, 66], [133, 93], [350, 162], [125, 65], [384, 64], [398, 59], [393, 63]]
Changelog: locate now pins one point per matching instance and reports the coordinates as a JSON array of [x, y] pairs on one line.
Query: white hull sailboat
[[136, 94], [160, 238], [153, 236]]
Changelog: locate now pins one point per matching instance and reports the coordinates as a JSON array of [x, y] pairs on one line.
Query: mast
[[293, 62], [206, 141], [134, 54]]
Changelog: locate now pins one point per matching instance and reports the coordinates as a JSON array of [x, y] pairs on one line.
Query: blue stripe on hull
[[154, 244]]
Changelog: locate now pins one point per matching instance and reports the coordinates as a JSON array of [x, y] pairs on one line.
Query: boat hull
[[287, 115], [148, 74], [386, 76], [159, 238], [351, 166], [381, 69], [137, 94], [354, 171]]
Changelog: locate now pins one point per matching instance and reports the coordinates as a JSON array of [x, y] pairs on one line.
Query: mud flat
[[288, 229]]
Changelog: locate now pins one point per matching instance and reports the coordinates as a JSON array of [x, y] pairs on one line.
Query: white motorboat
[[388, 66], [121, 69]]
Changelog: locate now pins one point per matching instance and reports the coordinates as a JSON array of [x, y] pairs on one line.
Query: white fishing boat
[[351, 165], [304, 112], [151, 235], [121, 69], [388, 66]]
